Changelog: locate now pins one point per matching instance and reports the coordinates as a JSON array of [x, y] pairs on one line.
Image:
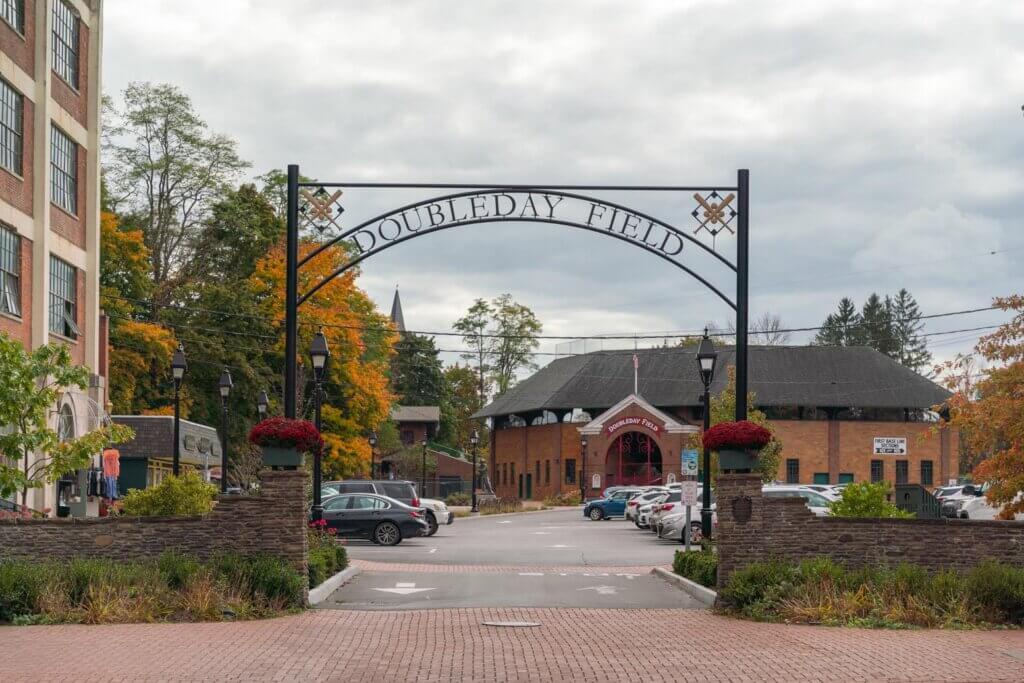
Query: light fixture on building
[[262, 401]]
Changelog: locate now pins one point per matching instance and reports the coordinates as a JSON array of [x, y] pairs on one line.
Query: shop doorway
[[634, 458]]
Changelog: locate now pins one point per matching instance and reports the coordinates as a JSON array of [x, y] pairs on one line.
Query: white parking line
[[531, 573], [433, 550]]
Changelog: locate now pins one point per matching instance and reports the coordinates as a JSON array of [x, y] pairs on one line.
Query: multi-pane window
[[65, 42], [13, 12], [10, 271], [63, 171], [792, 471], [63, 298], [877, 471], [570, 471], [927, 472], [11, 127], [902, 471]]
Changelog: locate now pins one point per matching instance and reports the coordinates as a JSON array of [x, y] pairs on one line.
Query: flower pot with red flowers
[[737, 444], [283, 441]]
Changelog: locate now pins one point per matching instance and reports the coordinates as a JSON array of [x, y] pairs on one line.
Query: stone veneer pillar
[[740, 522]]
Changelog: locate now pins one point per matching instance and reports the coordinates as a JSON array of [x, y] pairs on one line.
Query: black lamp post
[[474, 440], [319, 353], [583, 470], [706, 359], [373, 452], [261, 405], [423, 470], [224, 385], [178, 367]]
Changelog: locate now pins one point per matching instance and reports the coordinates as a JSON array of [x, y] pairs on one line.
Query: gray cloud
[[884, 142]]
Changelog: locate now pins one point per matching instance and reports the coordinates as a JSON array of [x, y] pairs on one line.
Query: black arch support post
[[742, 277], [291, 294]]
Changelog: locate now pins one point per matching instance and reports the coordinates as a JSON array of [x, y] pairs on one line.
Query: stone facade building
[[842, 414], [50, 96]]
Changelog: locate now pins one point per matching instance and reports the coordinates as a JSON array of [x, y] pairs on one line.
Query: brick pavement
[[451, 645]]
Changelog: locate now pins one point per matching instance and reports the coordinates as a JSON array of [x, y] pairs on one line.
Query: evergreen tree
[[417, 378], [877, 325], [842, 328], [912, 348]]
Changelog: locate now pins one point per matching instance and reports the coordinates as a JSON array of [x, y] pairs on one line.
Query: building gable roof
[[671, 425], [416, 413], [821, 376]]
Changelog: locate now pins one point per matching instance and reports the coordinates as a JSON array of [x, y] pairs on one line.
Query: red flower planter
[[283, 440], [737, 444]]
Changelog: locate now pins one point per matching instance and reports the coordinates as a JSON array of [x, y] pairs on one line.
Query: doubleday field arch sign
[[717, 209]]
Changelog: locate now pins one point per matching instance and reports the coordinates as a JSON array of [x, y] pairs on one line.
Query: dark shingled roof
[[824, 376]]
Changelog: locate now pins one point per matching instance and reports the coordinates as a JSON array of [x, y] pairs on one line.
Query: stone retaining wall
[[783, 528], [270, 523]]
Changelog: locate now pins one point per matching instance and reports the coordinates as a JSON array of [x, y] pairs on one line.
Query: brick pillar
[[833, 448], [944, 457], [282, 527], [740, 541]]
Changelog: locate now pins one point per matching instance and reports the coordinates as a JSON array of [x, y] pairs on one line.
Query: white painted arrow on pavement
[[403, 589], [601, 590]]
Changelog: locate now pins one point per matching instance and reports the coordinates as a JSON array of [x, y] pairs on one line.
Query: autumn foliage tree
[[357, 395], [989, 412]]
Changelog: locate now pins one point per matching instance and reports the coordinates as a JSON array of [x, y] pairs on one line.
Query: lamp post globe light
[[474, 440], [319, 353], [707, 357], [262, 401], [583, 469], [178, 367], [373, 452], [224, 385]]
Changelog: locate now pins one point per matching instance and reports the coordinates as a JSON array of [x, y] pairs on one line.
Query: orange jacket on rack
[[111, 462]]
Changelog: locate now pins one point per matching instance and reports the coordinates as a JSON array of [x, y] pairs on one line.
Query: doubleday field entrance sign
[[715, 209]]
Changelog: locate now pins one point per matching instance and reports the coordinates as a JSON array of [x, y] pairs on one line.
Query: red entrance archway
[[634, 458]]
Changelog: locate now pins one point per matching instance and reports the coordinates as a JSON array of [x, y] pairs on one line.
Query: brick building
[[842, 414], [49, 193]]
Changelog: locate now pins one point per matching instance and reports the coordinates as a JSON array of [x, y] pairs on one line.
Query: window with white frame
[[65, 42], [13, 12], [63, 171], [11, 127], [10, 271], [63, 298]]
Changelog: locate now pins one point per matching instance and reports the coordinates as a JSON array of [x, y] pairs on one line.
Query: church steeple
[[396, 313]]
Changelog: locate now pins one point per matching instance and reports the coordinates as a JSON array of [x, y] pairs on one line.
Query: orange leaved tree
[[989, 409], [357, 398]]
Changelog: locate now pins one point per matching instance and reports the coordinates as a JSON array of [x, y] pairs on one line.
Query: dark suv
[[402, 491]]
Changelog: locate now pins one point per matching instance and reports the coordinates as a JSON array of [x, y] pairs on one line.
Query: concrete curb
[[321, 592], [701, 594]]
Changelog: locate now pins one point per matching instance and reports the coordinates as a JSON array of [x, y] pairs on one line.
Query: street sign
[[688, 494], [689, 461], [890, 445]]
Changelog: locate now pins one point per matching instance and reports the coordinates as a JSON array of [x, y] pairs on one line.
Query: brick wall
[[271, 523], [75, 102], [15, 190], [21, 48], [783, 528], [21, 328]]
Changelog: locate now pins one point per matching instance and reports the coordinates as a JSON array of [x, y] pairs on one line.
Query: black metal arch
[[293, 299]]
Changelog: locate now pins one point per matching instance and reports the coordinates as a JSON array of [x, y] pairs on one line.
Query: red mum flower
[[283, 432], [737, 436]]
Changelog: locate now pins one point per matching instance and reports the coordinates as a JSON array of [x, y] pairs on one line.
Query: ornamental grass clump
[[283, 432]]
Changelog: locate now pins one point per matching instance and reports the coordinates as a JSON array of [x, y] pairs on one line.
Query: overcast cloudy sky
[[885, 141]]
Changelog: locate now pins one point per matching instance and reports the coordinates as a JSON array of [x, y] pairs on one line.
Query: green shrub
[[571, 498], [326, 556], [495, 506], [997, 589], [173, 587], [866, 500], [701, 566], [458, 498], [757, 589], [187, 495]]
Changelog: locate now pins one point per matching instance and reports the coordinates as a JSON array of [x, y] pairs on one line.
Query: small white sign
[[688, 493], [890, 445]]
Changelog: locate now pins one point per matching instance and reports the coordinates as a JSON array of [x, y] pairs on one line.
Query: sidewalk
[[452, 645]]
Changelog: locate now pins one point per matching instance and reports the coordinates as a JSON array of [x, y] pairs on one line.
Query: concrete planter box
[[277, 456], [736, 460]]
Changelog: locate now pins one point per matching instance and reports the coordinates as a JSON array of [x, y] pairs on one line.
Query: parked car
[[437, 512], [640, 499], [663, 508], [612, 506], [643, 514], [383, 520], [673, 505], [816, 502], [672, 525]]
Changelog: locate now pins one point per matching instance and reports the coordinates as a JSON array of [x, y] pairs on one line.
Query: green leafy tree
[[503, 337], [911, 347], [866, 499], [841, 328], [462, 402], [417, 378], [167, 169], [723, 409], [473, 327], [31, 451]]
